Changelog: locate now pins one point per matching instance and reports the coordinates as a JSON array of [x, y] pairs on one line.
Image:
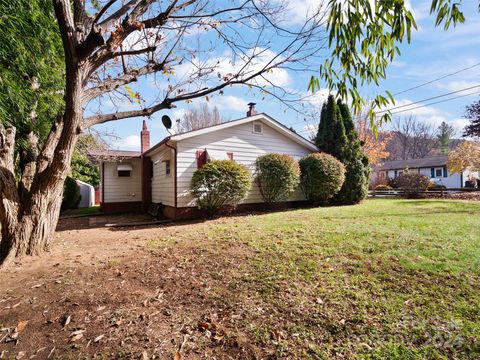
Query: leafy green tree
[[444, 137], [31, 77], [84, 167], [364, 37]]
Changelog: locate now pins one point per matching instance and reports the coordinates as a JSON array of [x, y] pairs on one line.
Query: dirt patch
[[106, 293]]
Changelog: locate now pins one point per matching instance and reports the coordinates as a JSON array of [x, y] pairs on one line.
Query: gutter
[[103, 182], [174, 171], [164, 141]]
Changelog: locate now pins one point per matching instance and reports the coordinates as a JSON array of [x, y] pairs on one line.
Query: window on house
[[124, 173], [124, 170], [438, 172], [167, 167], [257, 128]]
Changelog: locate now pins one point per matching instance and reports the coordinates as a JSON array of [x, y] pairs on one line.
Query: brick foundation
[[122, 207], [185, 213]]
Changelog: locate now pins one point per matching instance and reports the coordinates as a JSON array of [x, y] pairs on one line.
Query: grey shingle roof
[[414, 163]]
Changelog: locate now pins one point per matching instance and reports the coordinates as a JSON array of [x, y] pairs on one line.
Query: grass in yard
[[82, 211], [397, 279]]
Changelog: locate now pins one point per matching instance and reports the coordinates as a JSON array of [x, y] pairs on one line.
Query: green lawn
[[397, 279]]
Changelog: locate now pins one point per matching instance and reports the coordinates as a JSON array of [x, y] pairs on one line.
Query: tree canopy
[[363, 38], [31, 70], [473, 114]]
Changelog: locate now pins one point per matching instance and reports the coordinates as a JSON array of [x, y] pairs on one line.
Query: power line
[[428, 99], [435, 102], [437, 79]]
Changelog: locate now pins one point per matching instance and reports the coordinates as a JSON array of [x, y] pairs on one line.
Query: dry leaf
[[98, 338], [66, 321], [21, 326], [144, 355], [77, 337], [178, 356], [203, 325], [77, 332]]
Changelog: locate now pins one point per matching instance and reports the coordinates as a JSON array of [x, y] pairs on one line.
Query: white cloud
[[131, 142], [297, 11], [459, 85], [178, 114], [318, 98], [229, 102], [429, 115]]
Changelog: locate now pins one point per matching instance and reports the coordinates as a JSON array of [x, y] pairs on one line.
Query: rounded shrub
[[71, 194], [413, 184], [277, 176], [219, 183], [322, 176]]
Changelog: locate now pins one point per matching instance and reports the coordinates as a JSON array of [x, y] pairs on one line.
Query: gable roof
[[225, 125], [414, 163]]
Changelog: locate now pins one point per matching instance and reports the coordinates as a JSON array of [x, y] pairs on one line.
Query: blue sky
[[432, 53]]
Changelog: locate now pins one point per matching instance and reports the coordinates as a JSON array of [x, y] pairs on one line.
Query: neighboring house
[[434, 167], [132, 181]]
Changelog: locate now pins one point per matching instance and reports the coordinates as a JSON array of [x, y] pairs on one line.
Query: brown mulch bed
[[475, 196]]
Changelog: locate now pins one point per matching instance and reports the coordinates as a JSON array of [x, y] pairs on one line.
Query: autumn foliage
[[374, 144], [465, 155]]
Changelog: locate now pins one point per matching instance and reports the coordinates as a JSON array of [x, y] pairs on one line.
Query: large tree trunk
[[29, 208], [31, 231]]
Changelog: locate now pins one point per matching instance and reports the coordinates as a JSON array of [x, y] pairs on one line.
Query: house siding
[[163, 184], [245, 145], [122, 189]]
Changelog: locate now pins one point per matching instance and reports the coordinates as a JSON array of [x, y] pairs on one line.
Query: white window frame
[[124, 169], [435, 172], [261, 127], [169, 167]]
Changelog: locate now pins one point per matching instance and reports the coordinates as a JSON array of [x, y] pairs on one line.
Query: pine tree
[[337, 136], [331, 137], [444, 137]]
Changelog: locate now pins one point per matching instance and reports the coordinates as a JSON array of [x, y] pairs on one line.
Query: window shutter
[[201, 158], [445, 174], [230, 155], [432, 172], [395, 174]]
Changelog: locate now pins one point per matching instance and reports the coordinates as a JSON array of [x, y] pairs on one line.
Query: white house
[[161, 174], [434, 167]]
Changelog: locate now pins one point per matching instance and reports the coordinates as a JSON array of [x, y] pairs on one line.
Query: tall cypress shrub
[[337, 136], [331, 137]]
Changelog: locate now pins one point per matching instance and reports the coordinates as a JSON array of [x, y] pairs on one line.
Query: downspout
[[174, 173], [103, 182]]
